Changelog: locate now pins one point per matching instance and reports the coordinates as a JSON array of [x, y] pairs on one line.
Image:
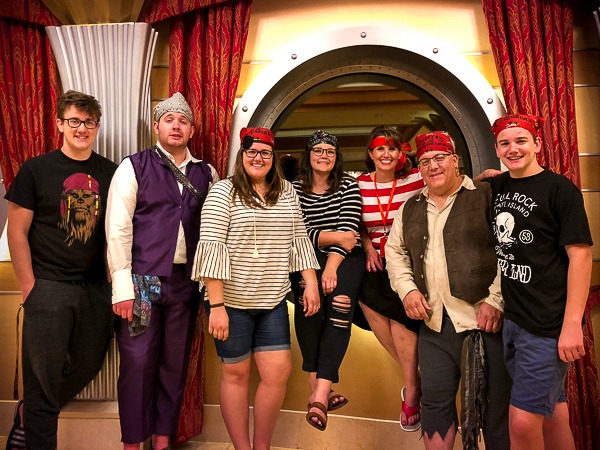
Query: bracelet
[[216, 305]]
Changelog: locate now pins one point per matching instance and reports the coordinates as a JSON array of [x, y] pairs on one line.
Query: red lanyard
[[384, 217]]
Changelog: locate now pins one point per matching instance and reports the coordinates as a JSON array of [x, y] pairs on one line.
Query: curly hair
[[391, 134], [81, 101]]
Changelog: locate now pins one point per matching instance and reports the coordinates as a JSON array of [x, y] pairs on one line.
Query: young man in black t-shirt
[[56, 240], [544, 253]]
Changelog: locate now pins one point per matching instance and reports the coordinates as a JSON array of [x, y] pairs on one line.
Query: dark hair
[[81, 101], [242, 187], [390, 133], [306, 173], [290, 167]]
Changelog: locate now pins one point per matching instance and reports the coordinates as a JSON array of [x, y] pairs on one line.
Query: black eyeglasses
[[328, 151], [253, 153], [439, 159], [74, 122]]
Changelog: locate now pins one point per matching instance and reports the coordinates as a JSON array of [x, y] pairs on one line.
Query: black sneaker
[[16, 437]]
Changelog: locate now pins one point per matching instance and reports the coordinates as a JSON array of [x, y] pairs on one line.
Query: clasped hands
[[489, 319]]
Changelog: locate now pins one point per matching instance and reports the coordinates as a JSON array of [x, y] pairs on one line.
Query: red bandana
[[436, 141], [259, 134], [529, 122], [380, 141]]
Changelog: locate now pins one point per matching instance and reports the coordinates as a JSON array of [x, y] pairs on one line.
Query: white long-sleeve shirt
[[122, 201]]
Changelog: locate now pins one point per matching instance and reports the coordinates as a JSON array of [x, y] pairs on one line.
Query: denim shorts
[[537, 372], [254, 330]]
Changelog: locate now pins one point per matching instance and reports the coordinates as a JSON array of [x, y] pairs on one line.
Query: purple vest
[[159, 209]]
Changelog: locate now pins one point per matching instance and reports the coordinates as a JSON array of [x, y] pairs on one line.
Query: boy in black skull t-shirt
[[544, 253]]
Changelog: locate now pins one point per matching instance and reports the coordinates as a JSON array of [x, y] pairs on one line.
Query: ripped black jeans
[[324, 336]]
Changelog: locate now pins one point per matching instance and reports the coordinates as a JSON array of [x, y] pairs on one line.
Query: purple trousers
[[154, 364]]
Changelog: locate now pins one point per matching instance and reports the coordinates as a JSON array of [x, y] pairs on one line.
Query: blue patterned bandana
[[146, 289]]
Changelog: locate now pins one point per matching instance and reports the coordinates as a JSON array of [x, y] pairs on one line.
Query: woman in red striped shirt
[[391, 180]]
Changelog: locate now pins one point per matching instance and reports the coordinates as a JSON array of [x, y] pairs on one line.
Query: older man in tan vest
[[441, 262]]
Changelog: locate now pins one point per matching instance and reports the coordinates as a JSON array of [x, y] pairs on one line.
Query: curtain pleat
[[582, 386], [158, 10], [28, 112]]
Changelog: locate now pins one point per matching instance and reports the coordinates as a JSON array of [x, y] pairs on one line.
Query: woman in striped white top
[[332, 206], [251, 237], [390, 182]]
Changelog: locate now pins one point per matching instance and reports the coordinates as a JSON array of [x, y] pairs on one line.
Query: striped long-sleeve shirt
[[406, 187], [253, 250], [340, 211]]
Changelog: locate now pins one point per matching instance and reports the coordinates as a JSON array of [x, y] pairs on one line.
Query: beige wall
[[9, 305]]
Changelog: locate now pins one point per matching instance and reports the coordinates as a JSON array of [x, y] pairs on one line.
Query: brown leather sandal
[[320, 417], [334, 402]]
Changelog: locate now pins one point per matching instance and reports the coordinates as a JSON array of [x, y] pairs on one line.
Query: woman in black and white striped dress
[[251, 237], [331, 203]]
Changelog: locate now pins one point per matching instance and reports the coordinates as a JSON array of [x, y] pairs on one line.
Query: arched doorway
[[453, 95]]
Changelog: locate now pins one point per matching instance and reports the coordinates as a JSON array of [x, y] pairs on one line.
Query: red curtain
[[206, 44], [583, 389], [28, 85], [532, 43], [156, 11]]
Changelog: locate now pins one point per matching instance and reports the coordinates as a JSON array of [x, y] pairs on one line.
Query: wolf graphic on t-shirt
[[80, 207]]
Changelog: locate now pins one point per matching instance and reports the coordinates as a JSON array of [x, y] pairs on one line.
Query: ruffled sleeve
[[302, 255], [212, 256], [212, 261]]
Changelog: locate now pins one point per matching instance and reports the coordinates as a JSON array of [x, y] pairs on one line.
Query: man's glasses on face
[[253, 153], [439, 159], [74, 122], [329, 152]]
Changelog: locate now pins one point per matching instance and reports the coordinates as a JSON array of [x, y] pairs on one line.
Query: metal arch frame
[[304, 50]]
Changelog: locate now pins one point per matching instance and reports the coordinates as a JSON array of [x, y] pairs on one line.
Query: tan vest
[[468, 240]]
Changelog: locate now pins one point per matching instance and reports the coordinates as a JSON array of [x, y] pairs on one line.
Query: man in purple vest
[[153, 226]]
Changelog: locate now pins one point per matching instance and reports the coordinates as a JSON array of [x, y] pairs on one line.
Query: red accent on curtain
[[584, 404], [191, 416], [156, 11], [532, 43], [207, 41], [33, 11], [27, 115]]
